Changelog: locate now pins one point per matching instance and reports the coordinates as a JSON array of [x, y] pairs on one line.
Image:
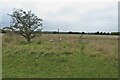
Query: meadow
[[75, 56]]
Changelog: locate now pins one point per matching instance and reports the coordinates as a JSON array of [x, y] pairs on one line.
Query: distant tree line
[[70, 32]]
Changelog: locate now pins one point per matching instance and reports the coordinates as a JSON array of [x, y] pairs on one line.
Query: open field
[[76, 56]]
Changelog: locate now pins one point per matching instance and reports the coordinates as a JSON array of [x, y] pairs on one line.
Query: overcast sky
[[72, 15]]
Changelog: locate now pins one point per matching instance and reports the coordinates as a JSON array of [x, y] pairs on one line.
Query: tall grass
[[42, 58]]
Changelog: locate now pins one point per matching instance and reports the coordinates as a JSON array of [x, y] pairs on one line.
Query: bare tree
[[26, 23]]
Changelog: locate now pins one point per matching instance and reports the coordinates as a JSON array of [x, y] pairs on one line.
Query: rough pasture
[[76, 56]]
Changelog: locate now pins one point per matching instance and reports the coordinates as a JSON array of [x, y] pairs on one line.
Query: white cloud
[[60, 0], [68, 14]]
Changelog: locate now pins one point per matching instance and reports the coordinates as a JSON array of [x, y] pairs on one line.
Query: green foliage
[[26, 23], [39, 42]]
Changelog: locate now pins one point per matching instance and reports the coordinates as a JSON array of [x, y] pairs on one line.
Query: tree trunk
[[28, 39]]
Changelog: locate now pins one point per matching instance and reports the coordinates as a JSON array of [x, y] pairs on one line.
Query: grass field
[[76, 56]]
